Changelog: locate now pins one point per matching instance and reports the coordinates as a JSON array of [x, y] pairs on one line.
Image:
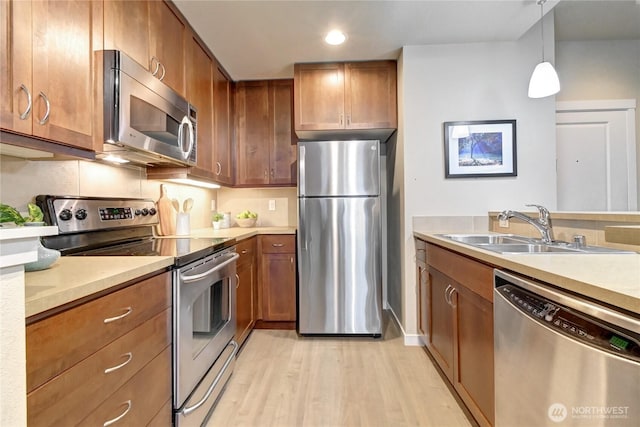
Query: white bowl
[[246, 222]]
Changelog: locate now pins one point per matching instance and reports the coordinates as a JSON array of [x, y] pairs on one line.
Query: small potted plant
[[217, 220]]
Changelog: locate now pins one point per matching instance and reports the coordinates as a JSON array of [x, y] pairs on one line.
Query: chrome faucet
[[542, 223]]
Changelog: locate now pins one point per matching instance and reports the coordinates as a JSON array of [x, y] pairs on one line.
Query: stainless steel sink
[[514, 244]]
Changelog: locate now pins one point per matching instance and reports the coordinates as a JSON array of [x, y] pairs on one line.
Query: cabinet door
[[278, 287], [423, 300], [62, 71], [473, 378], [126, 28], [283, 144], [200, 94], [440, 337], [166, 37], [370, 95], [246, 294], [15, 66], [319, 96], [252, 110], [223, 141]]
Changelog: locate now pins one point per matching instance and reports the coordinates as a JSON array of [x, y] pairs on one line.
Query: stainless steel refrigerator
[[339, 238]]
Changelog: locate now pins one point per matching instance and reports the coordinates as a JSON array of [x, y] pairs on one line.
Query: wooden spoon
[[176, 204], [187, 205]]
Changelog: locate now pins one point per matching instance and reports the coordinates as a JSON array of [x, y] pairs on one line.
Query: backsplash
[[236, 200], [21, 180]]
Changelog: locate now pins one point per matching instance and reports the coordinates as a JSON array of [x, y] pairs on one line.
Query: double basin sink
[[514, 244]]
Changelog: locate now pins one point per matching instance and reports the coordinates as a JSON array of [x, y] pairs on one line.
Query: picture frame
[[478, 149]]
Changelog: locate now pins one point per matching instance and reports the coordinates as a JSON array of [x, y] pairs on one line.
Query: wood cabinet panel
[[223, 148], [84, 329], [48, 50], [283, 151], [74, 394], [167, 44], [126, 28], [474, 354], [440, 341], [252, 115], [319, 96], [424, 288], [246, 296], [370, 95], [140, 398], [277, 277], [200, 94]]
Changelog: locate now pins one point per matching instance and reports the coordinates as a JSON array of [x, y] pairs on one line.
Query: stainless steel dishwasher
[[561, 360]]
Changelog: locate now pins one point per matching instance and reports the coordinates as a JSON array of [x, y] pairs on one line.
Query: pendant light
[[544, 80]]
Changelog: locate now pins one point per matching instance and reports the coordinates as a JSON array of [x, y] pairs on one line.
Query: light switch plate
[[272, 205]]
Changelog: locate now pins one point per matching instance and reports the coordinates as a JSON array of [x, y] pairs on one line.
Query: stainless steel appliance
[[562, 360], [204, 287], [145, 121], [339, 238]]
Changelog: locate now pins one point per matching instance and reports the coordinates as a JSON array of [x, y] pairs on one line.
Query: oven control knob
[[152, 211], [81, 214], [65, 214], [138, 212], [145, 211]]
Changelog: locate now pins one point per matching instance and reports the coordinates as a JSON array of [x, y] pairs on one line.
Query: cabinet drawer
[[75, 393], [278, 244], [58, 342], [476, 276], [138, 401], [247, 251]]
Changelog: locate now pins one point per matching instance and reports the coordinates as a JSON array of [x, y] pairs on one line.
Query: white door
[[596, 156]]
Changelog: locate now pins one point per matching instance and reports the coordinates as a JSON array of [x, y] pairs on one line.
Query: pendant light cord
[[541, 3]]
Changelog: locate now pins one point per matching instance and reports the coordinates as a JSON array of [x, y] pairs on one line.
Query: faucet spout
[[542, 223]]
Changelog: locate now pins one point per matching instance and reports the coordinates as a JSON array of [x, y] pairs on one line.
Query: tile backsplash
[[236, 200]]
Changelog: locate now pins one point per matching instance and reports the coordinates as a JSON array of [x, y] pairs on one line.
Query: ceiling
[[263, 39]]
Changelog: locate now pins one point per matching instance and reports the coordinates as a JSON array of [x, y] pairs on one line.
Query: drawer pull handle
[[277, 245], [113, 319], [119, 417], [237, 281], [244, 251], [115, 368], [24, 115], [48, 111]]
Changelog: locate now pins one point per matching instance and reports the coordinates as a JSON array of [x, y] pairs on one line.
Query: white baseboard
[[409, 339]]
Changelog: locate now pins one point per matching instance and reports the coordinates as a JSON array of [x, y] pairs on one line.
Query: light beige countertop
[[610, 278], [73, 278]]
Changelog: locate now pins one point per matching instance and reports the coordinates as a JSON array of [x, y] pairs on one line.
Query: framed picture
[[484, 148]]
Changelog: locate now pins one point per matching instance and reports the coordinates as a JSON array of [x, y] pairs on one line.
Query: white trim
[[409, 340], [599, 104]]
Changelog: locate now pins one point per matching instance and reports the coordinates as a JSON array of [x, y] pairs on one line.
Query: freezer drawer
[[339, 263], [338, 168]]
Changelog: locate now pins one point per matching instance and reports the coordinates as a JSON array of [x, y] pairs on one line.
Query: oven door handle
[[194, 277], [190, 409]]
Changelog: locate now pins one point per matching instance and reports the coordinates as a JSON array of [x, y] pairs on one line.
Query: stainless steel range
[[204, 287]]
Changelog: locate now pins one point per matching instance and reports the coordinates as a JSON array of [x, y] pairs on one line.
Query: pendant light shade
[[544, 80]]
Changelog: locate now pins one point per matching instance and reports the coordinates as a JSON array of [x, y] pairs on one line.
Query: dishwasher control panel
[[574, 324]]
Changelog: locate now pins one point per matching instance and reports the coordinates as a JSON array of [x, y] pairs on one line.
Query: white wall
[[470, 82]]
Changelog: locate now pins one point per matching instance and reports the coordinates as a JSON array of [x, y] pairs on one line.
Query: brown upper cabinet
[[46, 81], [223, 113], [345, 96], [152, 34], [266, 143]]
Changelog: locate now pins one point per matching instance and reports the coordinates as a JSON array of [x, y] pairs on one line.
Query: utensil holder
[[183, 226]]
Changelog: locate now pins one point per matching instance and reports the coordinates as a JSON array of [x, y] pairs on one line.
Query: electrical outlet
[[503, 223], [272, 205]]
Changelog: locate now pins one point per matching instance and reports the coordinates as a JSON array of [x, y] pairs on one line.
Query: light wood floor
[[282, 380]]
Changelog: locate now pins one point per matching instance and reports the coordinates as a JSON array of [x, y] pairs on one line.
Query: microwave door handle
[[194, 277], [185, 122]]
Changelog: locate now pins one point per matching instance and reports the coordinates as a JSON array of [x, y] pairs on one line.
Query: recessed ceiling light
[[335, 37]]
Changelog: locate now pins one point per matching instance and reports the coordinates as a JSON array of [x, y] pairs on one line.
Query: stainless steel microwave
[[145, 121]]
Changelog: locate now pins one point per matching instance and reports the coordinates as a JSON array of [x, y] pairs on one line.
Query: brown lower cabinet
[[246, 289], [94, 362], [457, 300], [277, 278]]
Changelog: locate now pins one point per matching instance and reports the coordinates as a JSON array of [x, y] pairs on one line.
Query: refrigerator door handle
[[301, 228], [301, 170]]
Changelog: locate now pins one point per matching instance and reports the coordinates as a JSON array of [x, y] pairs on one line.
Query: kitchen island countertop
[[611, 278]]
